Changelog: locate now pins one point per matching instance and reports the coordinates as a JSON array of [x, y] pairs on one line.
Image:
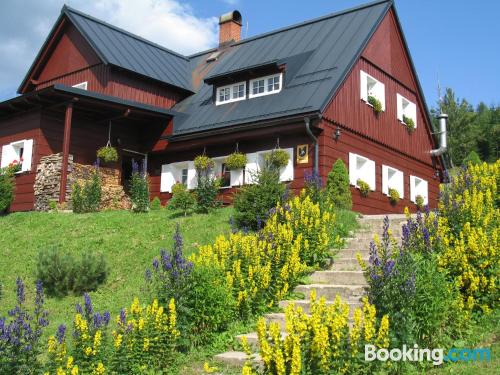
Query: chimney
[[229, 27]]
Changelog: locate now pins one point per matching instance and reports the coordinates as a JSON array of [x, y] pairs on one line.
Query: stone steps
[[306, 305], [338, 277], [330, 291]]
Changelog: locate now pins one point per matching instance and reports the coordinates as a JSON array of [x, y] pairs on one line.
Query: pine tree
[[338, 192]]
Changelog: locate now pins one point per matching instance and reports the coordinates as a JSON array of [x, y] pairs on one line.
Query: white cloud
[[24, 25]]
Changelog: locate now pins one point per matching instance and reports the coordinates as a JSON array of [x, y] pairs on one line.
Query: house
[[311, 89]]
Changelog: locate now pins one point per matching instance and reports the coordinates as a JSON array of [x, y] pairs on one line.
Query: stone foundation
[[48, 179]]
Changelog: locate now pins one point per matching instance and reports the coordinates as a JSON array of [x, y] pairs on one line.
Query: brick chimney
[[229, 27]]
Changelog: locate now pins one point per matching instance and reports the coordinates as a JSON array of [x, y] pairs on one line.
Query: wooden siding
[[16, 128], [376, 202], [97, 78]]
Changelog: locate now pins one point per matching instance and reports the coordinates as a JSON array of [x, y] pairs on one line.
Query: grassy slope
[[129, 241]]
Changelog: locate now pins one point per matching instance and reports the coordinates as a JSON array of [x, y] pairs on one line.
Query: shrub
[[155, 204], [313, 186], [277, 159], [337, 191], [206, 193], [107, 154], [139, 189], [419, 202], [377, 105], [6, 191], [253, 202], [363, 186], [61, 273], [87, 198], [472, 157], [410, 124], [182, 199], [321, 343], [236, 160], [394, 196], [20, 334]]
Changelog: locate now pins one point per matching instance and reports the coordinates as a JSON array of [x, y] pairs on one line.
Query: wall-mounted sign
[[302, 154]]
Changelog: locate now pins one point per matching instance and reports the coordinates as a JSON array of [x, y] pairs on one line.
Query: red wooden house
[[306, 88]]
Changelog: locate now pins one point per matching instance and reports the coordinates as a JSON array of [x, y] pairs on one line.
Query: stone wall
[[49, 175]]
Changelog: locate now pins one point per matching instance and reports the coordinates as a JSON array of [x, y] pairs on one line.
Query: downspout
[[307, 121], [442, 135]]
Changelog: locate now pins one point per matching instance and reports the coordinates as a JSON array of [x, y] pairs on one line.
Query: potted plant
[[236, 160], [394, 196], [376, 104], [410, 124], [203, 163], [277, 158], [419, 201], [363, 186], [14, 167], [108, 154]]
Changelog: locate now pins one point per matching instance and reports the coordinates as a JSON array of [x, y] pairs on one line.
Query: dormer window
[[231, 93], [266, 85], [81, 85], [406, 110], [371, 87]]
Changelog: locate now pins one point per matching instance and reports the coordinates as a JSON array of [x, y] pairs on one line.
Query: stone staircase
[[344, 278]]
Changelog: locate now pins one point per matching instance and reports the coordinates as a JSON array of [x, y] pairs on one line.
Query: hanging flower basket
[[376, 104], [203, 163], [363, 186], [236, 160], [277, 158], [108, 154]]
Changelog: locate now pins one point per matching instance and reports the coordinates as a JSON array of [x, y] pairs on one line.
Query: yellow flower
[[69, 363], [146, 344], [118, 340], [208, 369], [99, 370]]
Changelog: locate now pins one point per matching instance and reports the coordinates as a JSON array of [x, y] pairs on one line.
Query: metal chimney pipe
[[442, 135]]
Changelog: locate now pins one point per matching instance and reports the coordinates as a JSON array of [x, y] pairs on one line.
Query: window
[[407, 109], [266, 85], [231, 93], [361, 168], [181, 172], [82, 86], [372, 87], [418, 186], [19, 151], [286, 173], [226, 175], [392, 178], [184, 177]]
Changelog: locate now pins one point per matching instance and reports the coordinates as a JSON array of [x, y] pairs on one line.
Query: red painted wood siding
[[17, 128], [97, 78]]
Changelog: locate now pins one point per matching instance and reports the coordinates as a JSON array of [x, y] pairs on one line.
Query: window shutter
[[236, 177], [385, 179], [352, 169], [27, 155], [381, 94], [7, 155], [370, 174], [363, 86], [192, 180], [167, 178], [399, 100], [286, 173], [413, 113], [252, 167], [425, 192]]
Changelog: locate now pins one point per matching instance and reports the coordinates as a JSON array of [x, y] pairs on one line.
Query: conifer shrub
[[87, 197], [338, 192], [472, 158], [155, 204], [6, 191]]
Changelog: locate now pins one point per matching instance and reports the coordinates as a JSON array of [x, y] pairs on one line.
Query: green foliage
[[139, 192], [182, 199], [62, 273], [419, 201], [253, 202], [410, 124], [377, 105], [155, 204], [277, 159], [236, 160], [394, 196], [337, 187], [88, 197], [6, 191], [206, 192], [473, 158], [53, 205], [363, 186], [203, 163], [107, 154]]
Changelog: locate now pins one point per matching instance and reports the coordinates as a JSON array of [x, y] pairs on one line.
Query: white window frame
[[365, 171], [392, 178], [81, 85], [406, 107], [419, 186], [370, 86], [231, 93], [11, 152], [171, 174], [266, 88]]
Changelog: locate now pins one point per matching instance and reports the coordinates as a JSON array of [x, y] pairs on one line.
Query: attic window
[[81, 86], [231, 93], [214, 56], [372, 87], [266, 85], [406, 109]]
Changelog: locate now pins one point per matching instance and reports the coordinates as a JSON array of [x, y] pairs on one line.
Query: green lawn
[[128, 240]]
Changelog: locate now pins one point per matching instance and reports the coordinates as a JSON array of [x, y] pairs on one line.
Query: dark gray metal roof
[[318, 55], [131, 52]]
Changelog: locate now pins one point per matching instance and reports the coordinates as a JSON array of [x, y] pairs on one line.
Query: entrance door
[[127, 159]]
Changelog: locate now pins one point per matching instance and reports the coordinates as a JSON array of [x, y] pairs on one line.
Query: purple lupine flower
[[155, 264], [232, 224], [427, 239], [39, 298], [388, 267], [135, 166], [259, 222], [79, 309], [89, 309], [385, 234], [97, 320], [148, 275], [123, 316], [20, 291], [313, 179], [61, 333], [405, 235], [374, 259]]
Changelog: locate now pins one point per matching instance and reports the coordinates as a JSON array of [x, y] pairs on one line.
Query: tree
[[337, 186]]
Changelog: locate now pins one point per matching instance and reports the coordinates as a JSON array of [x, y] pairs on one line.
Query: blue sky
[[457, 41]]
